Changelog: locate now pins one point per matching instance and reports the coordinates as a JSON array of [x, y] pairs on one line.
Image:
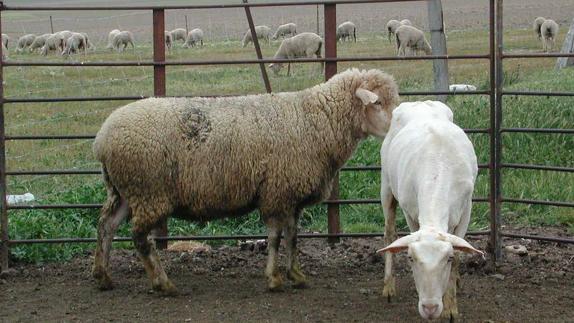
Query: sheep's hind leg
[[148, 255], [294, 273], [111, 217], [450, 307], [274, 278], [389, 208]]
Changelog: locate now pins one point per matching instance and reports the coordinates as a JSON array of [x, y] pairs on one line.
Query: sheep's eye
[[410, 258]]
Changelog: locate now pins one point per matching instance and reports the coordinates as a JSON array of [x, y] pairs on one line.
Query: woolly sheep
[[193, 37], [178, 34], [392, 26], [124, 38], [346, 30], [89, 44], [54, 43], [429, 167], [168, 40], [206, 158], [111, 36], [536, 26], [298, 46], [65, 34], [286, 29], [38, 42], [411, 39], [549, 30], [5, 40], [263, 33], [25, 42], [74, 44], [406, 22]]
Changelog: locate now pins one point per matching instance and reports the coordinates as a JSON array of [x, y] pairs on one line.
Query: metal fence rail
[[495, 57]]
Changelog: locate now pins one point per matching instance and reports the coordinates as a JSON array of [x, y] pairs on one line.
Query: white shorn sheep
[[406, 22], [178, 34], [299, 46], [347, 30], [74, 44], [65, 34], [536, 26], [111, 36], [429, 167], [123, 38], [263, 33], [411, 40], [38, 42], [393, 25], [284, 30], [54, 43], [195, 36], [549, 30], [89, 44], [25, 42], [207, 158]]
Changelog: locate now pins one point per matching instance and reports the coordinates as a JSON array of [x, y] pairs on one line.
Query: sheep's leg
[[274, 278], [389, 209], [450, 309], [294, 273], [148, 255], [111, 217], [289, 69]]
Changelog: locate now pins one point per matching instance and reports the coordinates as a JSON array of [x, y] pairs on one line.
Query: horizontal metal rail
[[538, 167], [75, 99], [537, 55], [48, 137], [537, 93], [533, 237], [538, 202], [538, 130]]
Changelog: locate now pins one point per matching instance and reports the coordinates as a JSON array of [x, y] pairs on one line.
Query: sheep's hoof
[[389, 290], [166, 288], [104, 281], [275, 283], [298, 278]]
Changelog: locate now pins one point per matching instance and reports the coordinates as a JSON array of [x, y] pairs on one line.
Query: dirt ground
[[226, 284]]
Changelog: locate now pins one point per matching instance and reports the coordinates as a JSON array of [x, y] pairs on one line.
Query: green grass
[[86, 118]]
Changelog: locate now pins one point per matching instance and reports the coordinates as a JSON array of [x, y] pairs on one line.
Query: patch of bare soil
[[227, 284]]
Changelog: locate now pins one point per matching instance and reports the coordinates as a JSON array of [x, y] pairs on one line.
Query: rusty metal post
[[51, 25], [4, 237], [257, 48], [496, 48], [330, 18], [159, 89]]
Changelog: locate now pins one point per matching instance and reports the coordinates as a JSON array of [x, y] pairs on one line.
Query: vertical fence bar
[[496, 49], [159, 89], [4, 237], [330, 18], [257, 48]]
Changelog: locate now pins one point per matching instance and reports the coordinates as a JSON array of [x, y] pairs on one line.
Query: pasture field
[[86, 118]]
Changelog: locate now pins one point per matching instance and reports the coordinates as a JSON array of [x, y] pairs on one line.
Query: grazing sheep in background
[[392, 26], [536, 26], [25, 42], [193, 37], [74, 44], [411, 39], [178, 34], [89, 44], [54, 43], [167, 38], [347, 30], [123, 38], [5, 40], [549, 30], [4, 52], [429, 167], [65, 34], [406, 22], [111, 36], [263, 33], [299, 46], [207, 158], [38, 42], [286, 29]]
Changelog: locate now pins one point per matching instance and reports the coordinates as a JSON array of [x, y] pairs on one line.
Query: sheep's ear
[[400, 244], [460, 244], [366, 96]]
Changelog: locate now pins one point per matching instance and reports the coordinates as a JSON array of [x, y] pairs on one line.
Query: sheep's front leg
[[274, 278], [389, 209], [450, 309], [294, 273]]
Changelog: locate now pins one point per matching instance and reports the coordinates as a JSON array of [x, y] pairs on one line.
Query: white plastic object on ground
[[15, 199], [461, 88]]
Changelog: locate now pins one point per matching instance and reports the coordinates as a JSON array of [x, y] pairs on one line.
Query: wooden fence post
[[438, 43], [4, 237], [567, 48]]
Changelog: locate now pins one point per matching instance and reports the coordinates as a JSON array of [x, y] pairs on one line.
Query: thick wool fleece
[[202, 158]]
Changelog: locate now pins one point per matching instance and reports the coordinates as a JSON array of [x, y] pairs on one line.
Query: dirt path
[[226, 284]]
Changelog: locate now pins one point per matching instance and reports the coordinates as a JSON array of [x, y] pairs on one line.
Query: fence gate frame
[[495, 92]]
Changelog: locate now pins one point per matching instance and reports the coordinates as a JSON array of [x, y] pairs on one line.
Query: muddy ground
[[226, 284]]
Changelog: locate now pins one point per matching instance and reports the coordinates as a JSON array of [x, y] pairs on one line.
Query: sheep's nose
[[430, 309]]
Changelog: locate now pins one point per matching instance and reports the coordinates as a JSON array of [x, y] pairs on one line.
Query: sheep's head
[[427, 47], [379, 95], [430, 256], [275, 67]]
